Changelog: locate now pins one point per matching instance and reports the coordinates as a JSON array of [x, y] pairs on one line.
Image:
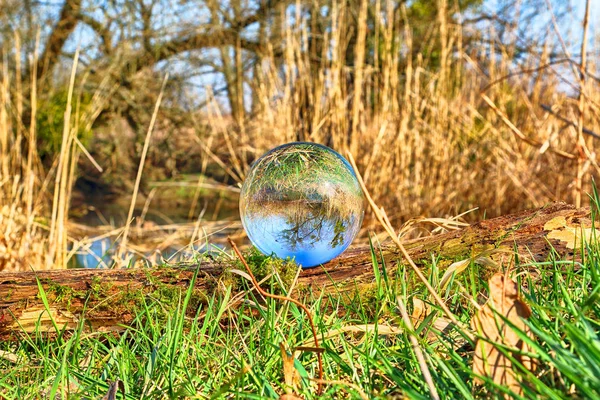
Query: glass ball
[[303, 201]]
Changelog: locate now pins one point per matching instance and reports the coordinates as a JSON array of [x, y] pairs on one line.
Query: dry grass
[[34, 211], [437, 140], [35, 231], [23, 240], [472, 126]]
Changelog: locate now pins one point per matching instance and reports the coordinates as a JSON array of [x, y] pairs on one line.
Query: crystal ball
[[302, 201]]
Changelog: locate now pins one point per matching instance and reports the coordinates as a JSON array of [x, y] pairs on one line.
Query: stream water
[[166, 208], [100, 252]]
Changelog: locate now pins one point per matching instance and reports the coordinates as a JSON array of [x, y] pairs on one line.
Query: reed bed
[[35, 230], [474, 126], [461, 121]]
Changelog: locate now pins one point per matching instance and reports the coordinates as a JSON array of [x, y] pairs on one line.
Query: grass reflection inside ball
[[303, 201]]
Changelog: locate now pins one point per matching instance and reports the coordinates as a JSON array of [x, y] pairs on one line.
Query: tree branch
[[106, 298], [66, 24], [101, 30]]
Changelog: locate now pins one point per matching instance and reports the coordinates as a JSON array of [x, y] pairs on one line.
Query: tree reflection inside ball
[[302, 201]]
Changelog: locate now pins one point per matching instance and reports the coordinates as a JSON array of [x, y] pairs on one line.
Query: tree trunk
[[107, 299], [67, 21]]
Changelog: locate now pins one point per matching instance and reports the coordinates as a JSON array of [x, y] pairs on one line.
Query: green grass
[[222, 350]]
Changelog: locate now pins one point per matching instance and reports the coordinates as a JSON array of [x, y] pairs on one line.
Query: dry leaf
[[112, 390], [488, 360], [8, 356], [290, 374], [459, 266], [289, 397], [421, 310], [555, 223], [572, 236], [64, 390]]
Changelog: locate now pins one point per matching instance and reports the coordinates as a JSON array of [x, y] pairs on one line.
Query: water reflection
[[100, 253], [303, 201], [310, 241]]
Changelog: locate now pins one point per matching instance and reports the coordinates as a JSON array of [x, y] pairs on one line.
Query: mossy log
[[107, 299]]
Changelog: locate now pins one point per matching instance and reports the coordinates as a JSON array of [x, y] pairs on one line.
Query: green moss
[[64, 294], [262, 266], [99, 288], [168, 294], [9, 294]]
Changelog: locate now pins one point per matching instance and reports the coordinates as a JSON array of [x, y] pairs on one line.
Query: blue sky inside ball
[[266, 234]]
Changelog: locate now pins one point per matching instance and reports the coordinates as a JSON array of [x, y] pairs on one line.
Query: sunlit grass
[[229, 346]]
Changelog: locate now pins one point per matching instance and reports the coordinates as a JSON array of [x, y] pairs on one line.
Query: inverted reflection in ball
[[303, 201]]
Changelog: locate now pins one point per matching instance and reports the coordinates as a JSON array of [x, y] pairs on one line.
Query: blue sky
[[194, 15]]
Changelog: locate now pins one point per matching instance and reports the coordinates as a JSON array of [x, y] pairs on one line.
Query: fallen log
[[106, 298]]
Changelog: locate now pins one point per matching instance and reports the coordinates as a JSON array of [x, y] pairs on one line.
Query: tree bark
[[106, 299], [66, 24]]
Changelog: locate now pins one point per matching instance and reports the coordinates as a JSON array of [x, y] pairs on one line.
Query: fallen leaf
[[72, 386], [289, 397], [571, 236], [488, 359], [422, 310], [112, 390], [241, 273], [459, 266], [8, 356], [291, 376], [555, 223]]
